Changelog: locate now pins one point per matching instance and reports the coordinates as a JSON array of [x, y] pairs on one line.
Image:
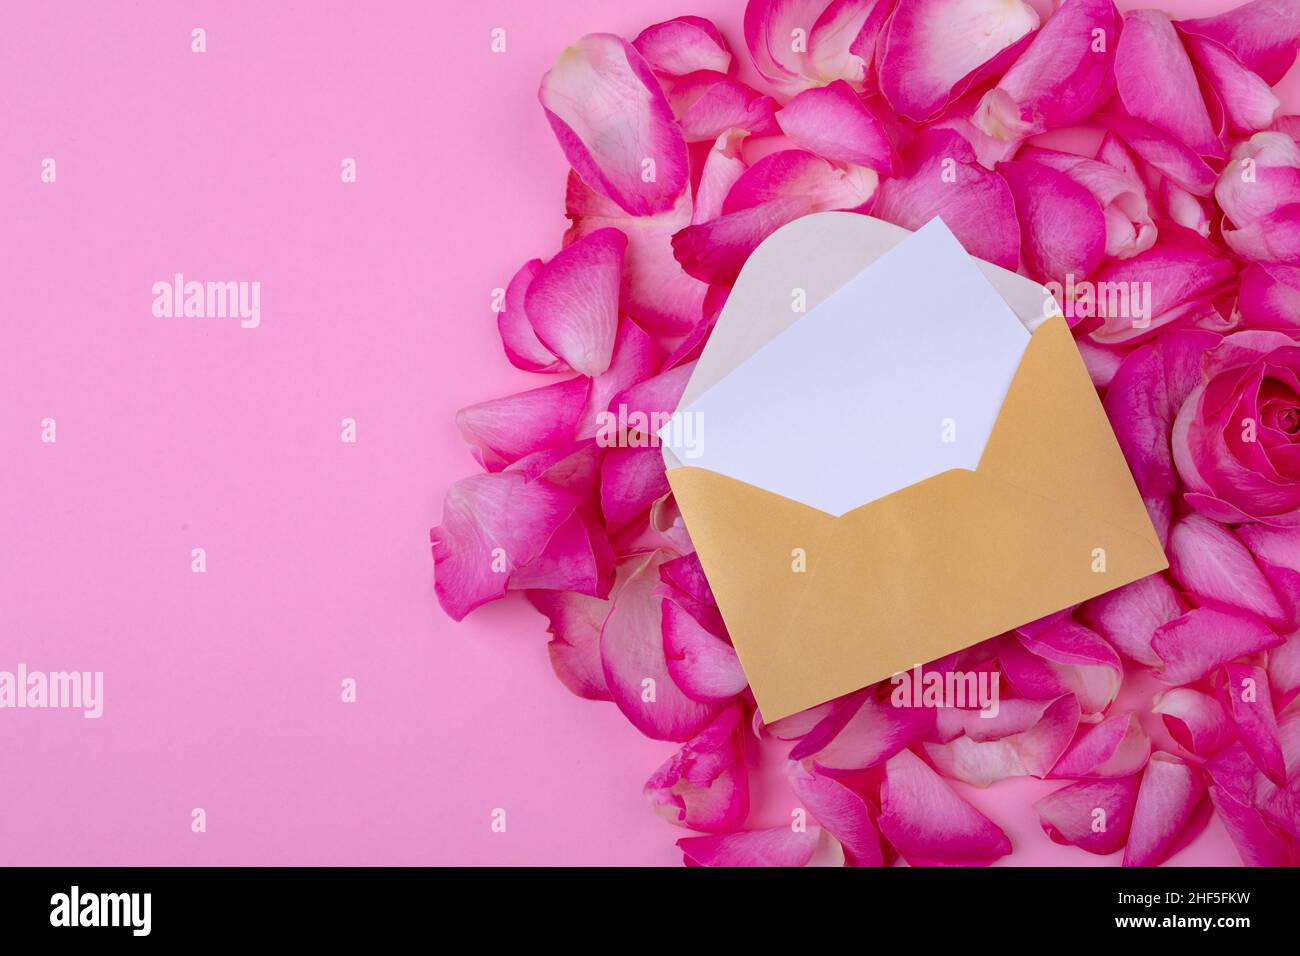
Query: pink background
[[222, 690]]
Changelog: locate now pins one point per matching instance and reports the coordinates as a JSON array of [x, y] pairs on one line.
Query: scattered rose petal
[[942, 177], [840, 811], [933, 50], [1213, 564], [833, 122], [777, 846], [1093, 815], [929, 823], [1116, 747], [683, 45], [1195, 720], [1204, 638], [632, 656], [572, 303], [1249, 707], [705, 785], [614, 124], [1167, 800]]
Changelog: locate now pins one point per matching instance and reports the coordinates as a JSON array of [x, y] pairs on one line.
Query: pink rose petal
[[722, 168], [1177, 278], [1263, 35], [1277, 553], [1249, 706], [929, 823], [654, 287], [1062, 77], [707, 104], [574, 648], [1248, 102], [1167, 801], [942, 177], [1155, 81], [933, 50], [874, 732], [573, 302], [1129, 226], [778, 846], [1030, 752], [705, 786], [1195, 720], [841, 811], [614, 124], [833, 122], [577, 558], [1093, 815], [778, 189], [683, 45], [632, 656], [1164, 151], [491, 526], [798, 44], [1144, 398], [518, 339], [700, 659], [1128, 616], [1116, 747], [1062, 227], [1269, 296], [1213, 564], [1204, 638], [631, 480], [503, 430], [1231, 786], [1284, 670]]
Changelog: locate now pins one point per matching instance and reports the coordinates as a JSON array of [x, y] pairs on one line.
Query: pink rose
[[1236, 439]]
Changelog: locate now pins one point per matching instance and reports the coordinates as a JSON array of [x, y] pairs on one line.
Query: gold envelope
[[939, 565]]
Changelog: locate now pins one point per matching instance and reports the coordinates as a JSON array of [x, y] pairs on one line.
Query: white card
[[896, 377]]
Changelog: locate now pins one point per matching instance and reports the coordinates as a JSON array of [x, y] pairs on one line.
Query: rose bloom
[[1236, 439]]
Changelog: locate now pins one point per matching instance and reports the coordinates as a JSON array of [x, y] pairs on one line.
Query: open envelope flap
[[818, 255], [937, 566]]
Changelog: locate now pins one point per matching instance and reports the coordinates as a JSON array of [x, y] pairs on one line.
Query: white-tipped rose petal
[[492, 525], [705, 786], [1030, 752], [614, 124]]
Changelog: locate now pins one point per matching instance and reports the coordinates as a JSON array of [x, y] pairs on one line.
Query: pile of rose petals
[[1089, 151]]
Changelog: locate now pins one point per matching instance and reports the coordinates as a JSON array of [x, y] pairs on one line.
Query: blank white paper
[[897, 377]]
